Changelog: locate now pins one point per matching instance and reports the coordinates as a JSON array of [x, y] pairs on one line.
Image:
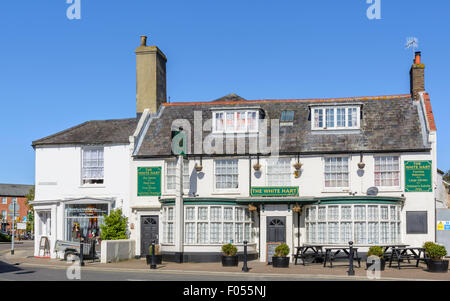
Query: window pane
[[228, 232], [318, 118], [202, 233], [330, 118]]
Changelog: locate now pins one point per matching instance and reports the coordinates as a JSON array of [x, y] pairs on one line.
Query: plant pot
[[437, 266], [198, 168], [230, 261], [382, 264], [280, 262], [157, 257], [257, 166]]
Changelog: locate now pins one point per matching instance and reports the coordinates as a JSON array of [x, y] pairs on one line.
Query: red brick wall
[[23, 209]]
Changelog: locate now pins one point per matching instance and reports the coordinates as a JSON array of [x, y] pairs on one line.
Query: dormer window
[[335, 117], [235, 121]]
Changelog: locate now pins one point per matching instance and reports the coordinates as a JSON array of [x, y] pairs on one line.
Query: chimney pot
[[143, 40], [417, 57]]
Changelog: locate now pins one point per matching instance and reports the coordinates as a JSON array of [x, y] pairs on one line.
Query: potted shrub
[[257, 166], [376, 251], [158, 255], [436, 262], [281, 259], [229, 257]]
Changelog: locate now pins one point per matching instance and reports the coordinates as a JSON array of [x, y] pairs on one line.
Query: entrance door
[[276, 229], [149, 232]]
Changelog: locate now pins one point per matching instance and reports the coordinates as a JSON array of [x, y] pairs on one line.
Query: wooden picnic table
[[330, 256], [315, 253], [401, 253]]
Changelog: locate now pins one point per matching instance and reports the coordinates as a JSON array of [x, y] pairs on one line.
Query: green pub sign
[[418, 176], [274, 191], [149, 181]]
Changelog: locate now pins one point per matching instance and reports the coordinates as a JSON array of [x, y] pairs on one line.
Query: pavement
[[24, 258]]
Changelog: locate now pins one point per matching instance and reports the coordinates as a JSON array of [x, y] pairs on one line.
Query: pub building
[[197, 175]]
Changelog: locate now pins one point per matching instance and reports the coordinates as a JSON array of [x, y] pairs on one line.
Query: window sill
[[336, 190], [227, 192], [92, 186], [389, 189]]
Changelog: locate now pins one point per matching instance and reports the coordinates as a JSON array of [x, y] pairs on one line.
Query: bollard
[[245, 268], [351, 271], [81, 253], [153, 265]]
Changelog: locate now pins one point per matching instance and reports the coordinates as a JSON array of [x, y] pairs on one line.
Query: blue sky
[[56, 72]]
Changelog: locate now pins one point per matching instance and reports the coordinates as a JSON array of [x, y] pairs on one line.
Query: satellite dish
[[372, 191]]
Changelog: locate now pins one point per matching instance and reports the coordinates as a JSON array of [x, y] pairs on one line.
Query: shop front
[[68, 220], [82, 221]]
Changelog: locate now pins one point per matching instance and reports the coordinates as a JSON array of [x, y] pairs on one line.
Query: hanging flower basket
[[298, 165], [252, 207], [257, 166], [296, 208], [361, 165], [198, 168], [297, 173]]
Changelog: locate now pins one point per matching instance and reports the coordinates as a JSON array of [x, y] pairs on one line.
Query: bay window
[[217, 224], [365, 224]]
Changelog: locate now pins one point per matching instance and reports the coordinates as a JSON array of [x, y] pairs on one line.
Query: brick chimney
[[417, 76], [150, 77]]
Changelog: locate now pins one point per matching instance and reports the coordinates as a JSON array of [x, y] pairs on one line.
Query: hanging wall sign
[[418, 176], [149, 181], [274, 191]]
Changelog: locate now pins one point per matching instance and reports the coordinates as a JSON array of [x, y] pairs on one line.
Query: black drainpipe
[[298, 228]]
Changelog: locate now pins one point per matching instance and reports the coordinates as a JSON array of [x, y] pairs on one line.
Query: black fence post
[[153, 265], [245, 268], [81, 253], [351, 271]]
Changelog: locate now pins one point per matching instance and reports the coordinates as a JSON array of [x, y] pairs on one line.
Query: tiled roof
[[93, 132], [388, 123], [429, 112], [16, 190]]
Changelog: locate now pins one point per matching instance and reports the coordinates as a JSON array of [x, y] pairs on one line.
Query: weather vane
[[412, 42]]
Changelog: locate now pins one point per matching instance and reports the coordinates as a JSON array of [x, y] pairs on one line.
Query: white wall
[[58, 178], [310, 183]]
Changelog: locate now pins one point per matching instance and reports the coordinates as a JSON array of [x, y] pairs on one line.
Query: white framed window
[[336, 172], [241, 121], [171, 173], [92, 166], [387, 171], [278, 172], [4, 201], [4, 215], [217, 224], [335, 117], [226, 174], [370, 224], [168, 224]]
